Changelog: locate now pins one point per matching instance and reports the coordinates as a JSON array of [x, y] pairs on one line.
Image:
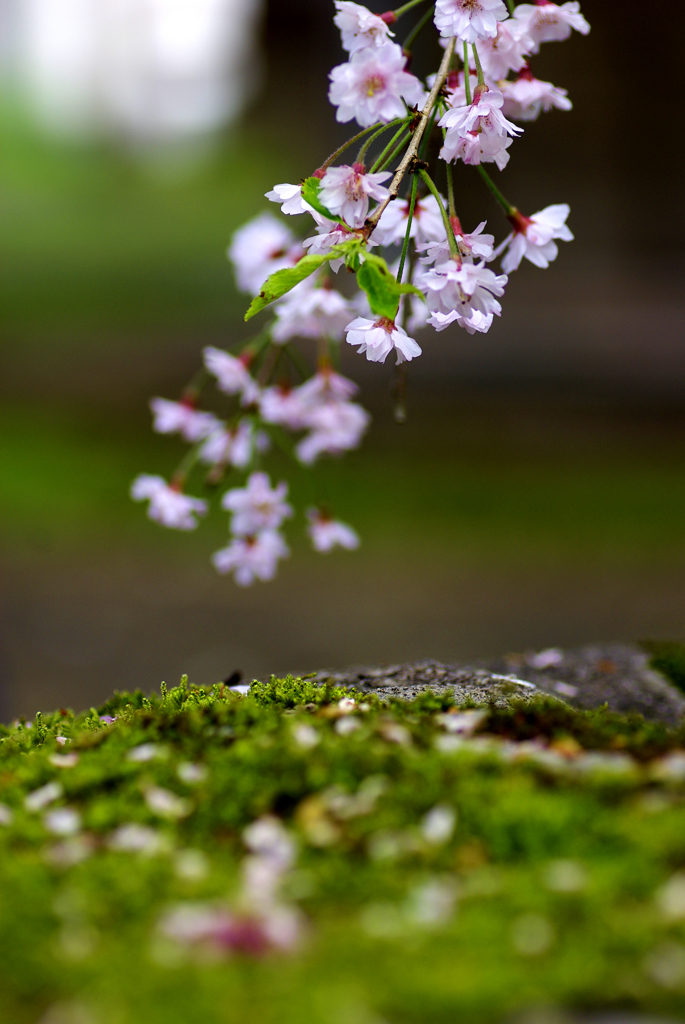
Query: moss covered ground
[[295, 855]]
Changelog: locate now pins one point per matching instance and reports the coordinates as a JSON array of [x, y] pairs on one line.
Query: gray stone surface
[[407, 681], [586, 677]]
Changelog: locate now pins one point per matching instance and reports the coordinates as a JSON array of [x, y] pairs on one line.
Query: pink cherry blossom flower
[[462, 292], [477, 243], [373, 86], [335, 423], [182, 418], [477, 132], [505, 51], [346, 191], [283, 406], [377, 338], [257, 506], [324, 386], [252, 558], [474, 244], [232, 374], [478, 148], [548, 22], [168, 505], [427, 225], [472, 320], [290, 198], [310, 310], [258, 249], [483, 115], [469, 20], [359, 28], [533, 237], [335, 426], [527, 96], [233, 446], [329, 234], [321, 405], [326, 533]]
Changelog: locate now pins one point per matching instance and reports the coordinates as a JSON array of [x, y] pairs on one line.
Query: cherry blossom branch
[[373, 83], [413, 146]]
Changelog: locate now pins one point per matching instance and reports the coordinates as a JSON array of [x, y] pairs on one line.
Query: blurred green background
[[536, 495]]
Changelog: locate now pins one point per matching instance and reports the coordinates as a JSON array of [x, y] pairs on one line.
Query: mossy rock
[[307, 853], [646, 679], [463, 686]]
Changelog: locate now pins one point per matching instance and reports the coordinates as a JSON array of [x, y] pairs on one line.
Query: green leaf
[[310, 194], [382, 289], [351, 251], [283, 280]]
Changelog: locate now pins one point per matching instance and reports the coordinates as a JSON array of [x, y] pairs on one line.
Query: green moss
[[567, 827], [291, 691]]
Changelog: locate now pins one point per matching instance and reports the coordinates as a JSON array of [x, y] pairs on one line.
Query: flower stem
[[400, 145], [479, 69], [407, 7], [297, 361], [409, 41], [504, 203], [454, 248], [510, 5], [450, 189], [350, 142], [427, 133], [195, 385], [467, 74], [182, 471], [413, 146], [405, 246], [269, 365], [361, 156], [379, 162]]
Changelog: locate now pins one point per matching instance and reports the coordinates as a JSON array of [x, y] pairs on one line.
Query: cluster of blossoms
[[438, 276]]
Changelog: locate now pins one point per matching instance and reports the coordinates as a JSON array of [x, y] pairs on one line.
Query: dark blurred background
[[536, 495]]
